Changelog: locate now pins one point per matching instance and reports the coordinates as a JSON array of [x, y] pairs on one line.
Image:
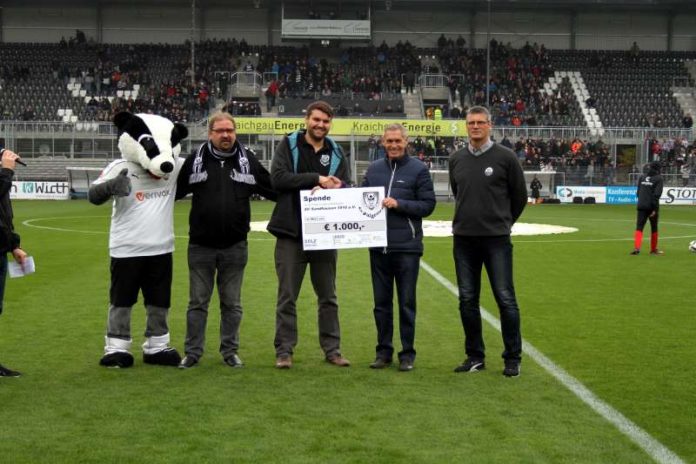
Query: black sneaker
[[380, 363], [234, 361], [471, 365], [635, 251], [118, 359], [657, 252], [166, 357], [512, 368], [188, 362], [5, 372], [406, 365]]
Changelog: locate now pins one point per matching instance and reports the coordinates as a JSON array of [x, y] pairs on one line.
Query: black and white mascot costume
[[141, 240]]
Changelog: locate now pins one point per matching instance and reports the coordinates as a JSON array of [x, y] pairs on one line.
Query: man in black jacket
[[409, 197], [222, 175], [649, 192], [9, 240], [490, 191], [303, 160]]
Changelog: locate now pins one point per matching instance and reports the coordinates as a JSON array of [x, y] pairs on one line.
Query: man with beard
[[305, 159]]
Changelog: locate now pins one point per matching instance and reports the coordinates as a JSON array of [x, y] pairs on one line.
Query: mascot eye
[[148, 143]]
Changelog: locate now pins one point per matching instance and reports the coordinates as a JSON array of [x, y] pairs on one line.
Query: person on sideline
[[9, 239], [536, 187], [222, 175], [649, 192], [409, 197], [490, 192], [305, 159]]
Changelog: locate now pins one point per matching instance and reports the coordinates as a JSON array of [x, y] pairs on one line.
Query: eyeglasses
[[223, 131], [477, 123]]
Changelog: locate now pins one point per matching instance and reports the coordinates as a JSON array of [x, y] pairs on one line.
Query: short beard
[[313, 138]]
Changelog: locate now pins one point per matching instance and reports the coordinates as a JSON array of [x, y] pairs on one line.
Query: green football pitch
[[607, 375]]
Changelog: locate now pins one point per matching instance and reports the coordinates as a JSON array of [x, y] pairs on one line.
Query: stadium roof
[[683, 6]]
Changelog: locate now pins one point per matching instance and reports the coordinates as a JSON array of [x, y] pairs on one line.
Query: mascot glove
[[120, 186]]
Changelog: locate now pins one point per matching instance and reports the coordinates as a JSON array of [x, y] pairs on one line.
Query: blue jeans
[[388, 269], [495, 253], [204, 263]]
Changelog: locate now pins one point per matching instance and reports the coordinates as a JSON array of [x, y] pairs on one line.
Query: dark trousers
[[643, 217], [204, 263], [3, 277], [291, 263], [495, 253], [388, 269]]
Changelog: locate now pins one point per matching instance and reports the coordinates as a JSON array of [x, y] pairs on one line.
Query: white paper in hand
[[17, 270]]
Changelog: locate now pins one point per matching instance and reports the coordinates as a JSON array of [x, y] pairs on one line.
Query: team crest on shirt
[[325, 159], [488, 171]]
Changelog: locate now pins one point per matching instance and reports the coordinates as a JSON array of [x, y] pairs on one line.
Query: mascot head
[[149, 140]]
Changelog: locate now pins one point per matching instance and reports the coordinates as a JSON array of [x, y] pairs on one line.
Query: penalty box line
[[659, 452]]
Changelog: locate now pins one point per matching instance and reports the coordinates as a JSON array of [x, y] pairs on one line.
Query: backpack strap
[[336, 153], [292, 141], [336, 156]]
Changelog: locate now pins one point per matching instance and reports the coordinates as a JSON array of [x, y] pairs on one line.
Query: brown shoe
[[338, 360], [284, 362]]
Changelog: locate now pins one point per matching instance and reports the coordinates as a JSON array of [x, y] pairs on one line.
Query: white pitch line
[[659, 452], [30, 223]]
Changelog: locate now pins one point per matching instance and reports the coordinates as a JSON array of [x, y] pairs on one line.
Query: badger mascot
[[141, 241]]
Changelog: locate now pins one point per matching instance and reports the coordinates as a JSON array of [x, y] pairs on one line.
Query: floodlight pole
[[488, 57], [193, 40]]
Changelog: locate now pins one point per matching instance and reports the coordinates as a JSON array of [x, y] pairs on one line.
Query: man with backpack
[[305, 159]]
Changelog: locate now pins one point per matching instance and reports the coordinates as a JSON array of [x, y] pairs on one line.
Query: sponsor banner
[[621, 195], [325, 29], [366, 127], [566, 193], [22, 190], [678, 196]]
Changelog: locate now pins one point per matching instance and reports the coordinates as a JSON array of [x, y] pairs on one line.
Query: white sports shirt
[[142, 224]]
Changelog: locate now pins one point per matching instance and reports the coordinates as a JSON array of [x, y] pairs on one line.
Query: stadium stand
[[529, 86]]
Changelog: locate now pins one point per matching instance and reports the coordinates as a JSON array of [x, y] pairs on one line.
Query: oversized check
[[343, 218]]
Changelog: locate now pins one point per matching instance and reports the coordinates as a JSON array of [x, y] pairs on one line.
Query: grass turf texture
[[620, 324]]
